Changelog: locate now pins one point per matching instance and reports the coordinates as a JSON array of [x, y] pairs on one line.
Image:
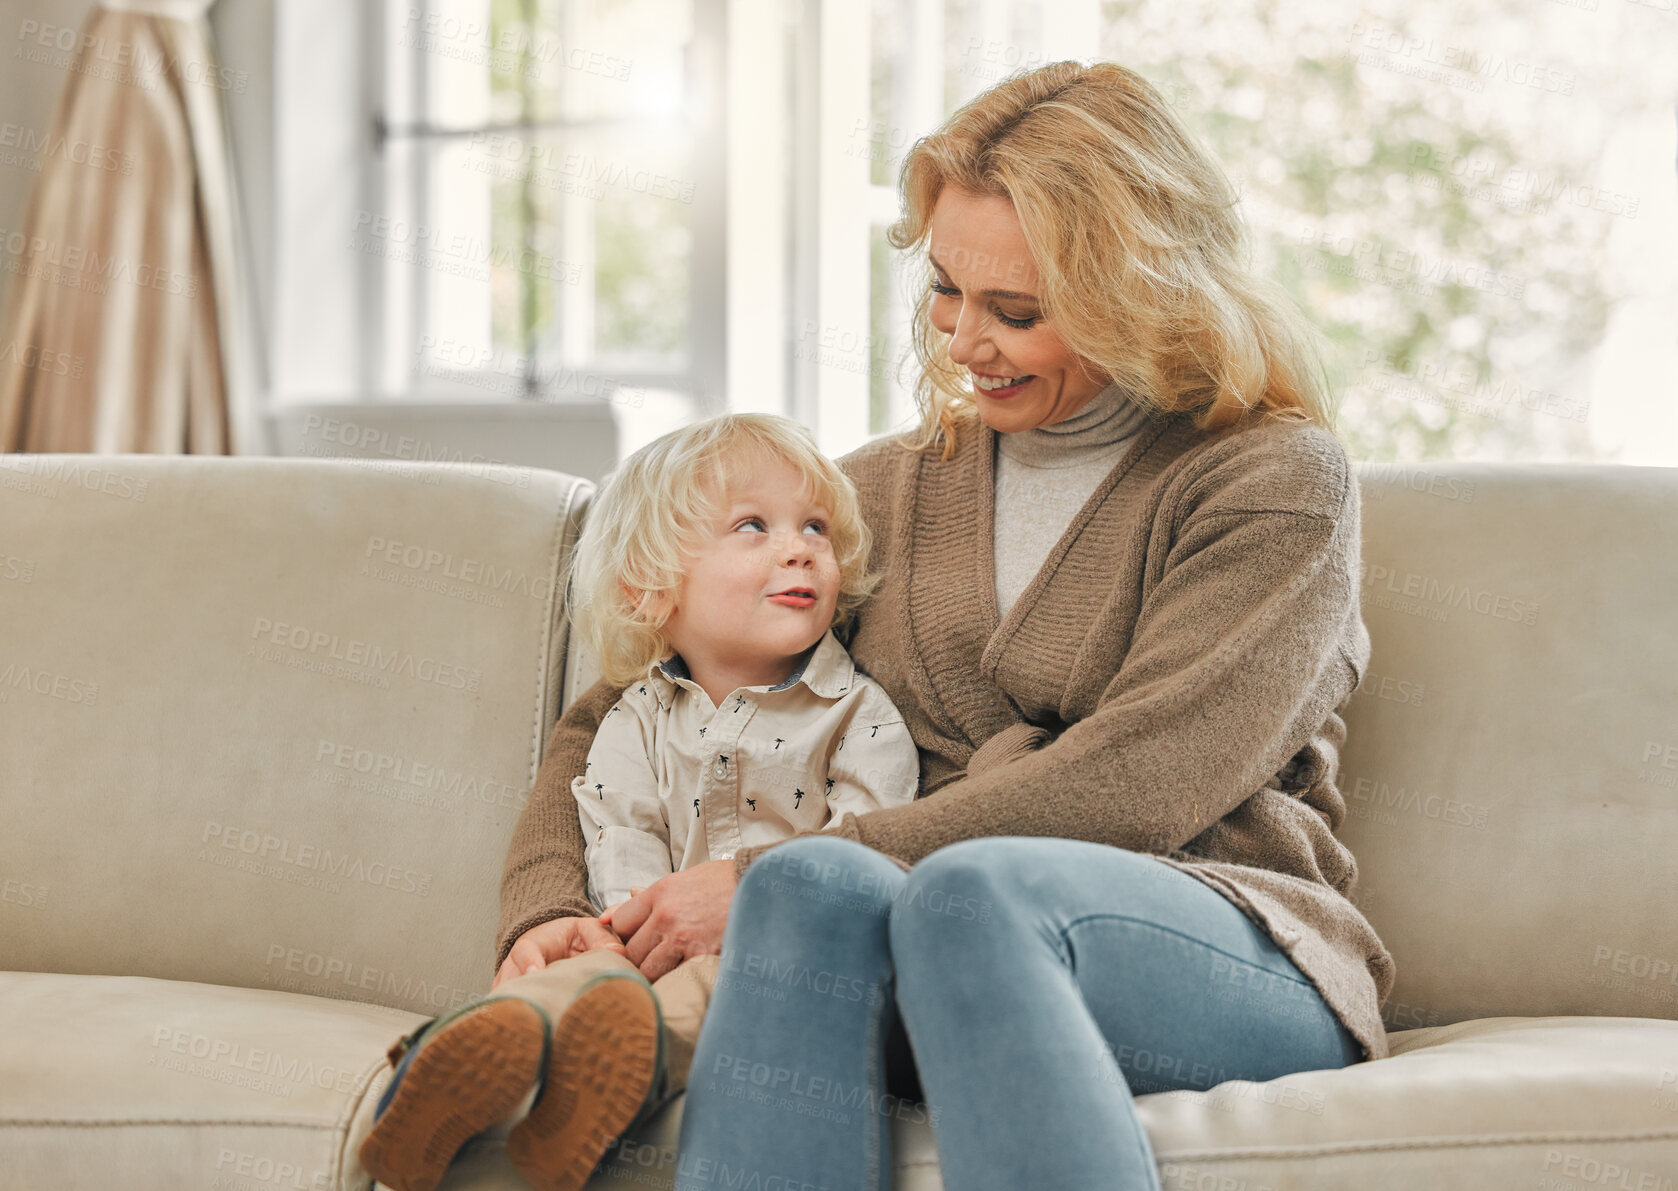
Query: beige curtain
[[124, 309]]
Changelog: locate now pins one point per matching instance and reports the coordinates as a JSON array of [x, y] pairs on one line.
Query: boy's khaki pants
[[682, 997]]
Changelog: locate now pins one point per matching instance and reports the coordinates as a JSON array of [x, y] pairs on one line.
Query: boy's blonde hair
[[1140, 247], [656, 506]]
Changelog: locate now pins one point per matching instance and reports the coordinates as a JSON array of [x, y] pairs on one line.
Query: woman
[[1120, 612]]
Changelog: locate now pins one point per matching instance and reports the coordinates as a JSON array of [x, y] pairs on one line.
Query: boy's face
[[769, 539]]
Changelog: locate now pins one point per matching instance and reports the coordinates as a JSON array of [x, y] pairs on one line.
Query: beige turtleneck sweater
[[1044, 476]]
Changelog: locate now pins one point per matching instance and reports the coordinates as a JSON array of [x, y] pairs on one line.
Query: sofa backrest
[[1511, 766], [270, 722]]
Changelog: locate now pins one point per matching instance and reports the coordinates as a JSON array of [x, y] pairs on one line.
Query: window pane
[[1411, 177], [641, 276], [555, 188]]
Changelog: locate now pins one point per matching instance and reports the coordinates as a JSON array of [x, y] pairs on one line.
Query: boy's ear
[[650, 604]]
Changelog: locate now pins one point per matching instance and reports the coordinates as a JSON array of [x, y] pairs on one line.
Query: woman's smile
[[1000, 388]]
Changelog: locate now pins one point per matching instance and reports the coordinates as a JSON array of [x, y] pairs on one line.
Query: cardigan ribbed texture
[[1171, 682]]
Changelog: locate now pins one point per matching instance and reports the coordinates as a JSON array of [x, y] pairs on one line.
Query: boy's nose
[[797, 553]]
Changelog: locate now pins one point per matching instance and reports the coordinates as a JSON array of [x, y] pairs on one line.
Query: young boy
[[707, 581]]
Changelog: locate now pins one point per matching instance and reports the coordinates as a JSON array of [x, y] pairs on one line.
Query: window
[[1475, 205], [550, 221]]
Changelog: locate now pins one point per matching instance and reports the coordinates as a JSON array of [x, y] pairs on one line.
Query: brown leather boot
[[604, 1073], [455, 1076]]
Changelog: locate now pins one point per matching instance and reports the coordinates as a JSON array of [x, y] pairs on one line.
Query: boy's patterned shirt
[[673, 781]]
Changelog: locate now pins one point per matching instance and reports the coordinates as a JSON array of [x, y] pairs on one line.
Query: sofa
[[266, 726]]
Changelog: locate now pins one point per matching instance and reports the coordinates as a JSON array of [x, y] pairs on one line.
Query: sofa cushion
[[1497, 1102], [123, 1081], [150, 1083], [1536, 1103]]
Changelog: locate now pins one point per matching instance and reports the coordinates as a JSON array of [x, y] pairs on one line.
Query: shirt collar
[[825, 668]]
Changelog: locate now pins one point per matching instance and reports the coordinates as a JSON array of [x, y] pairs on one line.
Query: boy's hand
[[559, 939], [606, 914]]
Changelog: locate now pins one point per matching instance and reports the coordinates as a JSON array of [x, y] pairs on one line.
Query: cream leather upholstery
[[265, 727]]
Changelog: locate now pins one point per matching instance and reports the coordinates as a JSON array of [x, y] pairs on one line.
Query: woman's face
[[985, 298]]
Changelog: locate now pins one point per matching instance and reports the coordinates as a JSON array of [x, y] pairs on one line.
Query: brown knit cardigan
[[1169, 682]]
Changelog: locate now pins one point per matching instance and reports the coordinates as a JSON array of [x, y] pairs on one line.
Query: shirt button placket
[[722, 821]]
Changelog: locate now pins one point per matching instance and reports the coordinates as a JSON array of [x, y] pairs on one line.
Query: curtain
[[125, 316]]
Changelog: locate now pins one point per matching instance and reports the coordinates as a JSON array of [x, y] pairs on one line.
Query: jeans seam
[[872, 1157], [1067, 945]]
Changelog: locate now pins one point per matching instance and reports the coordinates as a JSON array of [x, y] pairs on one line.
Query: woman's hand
[[677, 917], [559, 939]]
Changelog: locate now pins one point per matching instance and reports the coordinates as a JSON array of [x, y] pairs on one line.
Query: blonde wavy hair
[[1140, 249], [657, 505]]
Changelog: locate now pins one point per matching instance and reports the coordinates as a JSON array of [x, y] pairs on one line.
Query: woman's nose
[[968, 339]]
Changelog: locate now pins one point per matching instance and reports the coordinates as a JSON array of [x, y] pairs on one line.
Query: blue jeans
[[1041, 982]]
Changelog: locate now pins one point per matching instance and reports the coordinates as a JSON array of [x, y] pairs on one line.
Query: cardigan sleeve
[[545, 876], [1235, 660]]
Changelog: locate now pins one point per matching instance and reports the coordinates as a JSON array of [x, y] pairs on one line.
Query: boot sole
[[468, 1076], [600, 1068]]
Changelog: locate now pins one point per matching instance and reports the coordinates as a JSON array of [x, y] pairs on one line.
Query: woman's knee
[[960, 880], [1022, 881], [817, 873], [973, 885]]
